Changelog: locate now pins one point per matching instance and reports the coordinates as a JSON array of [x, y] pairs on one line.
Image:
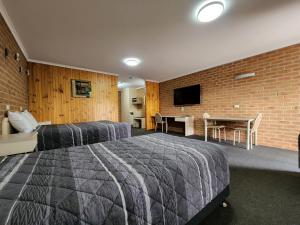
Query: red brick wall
[[13, 85], [275, 92]]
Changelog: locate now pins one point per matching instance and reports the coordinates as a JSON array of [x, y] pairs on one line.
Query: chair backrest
[[158, 118], [257, 122], [205, 116]]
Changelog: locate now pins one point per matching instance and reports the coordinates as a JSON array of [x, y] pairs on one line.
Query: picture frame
[[81, 88]]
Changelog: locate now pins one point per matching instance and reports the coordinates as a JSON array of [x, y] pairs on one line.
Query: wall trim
[[12, 29], [71, 67], [154, 81]]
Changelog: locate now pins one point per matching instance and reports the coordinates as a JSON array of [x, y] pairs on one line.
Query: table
[[233, 119], [12, 144], [187, 120]]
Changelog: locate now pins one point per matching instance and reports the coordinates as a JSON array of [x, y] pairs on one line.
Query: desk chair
[[159, 120], [214, 128], [253, 131]]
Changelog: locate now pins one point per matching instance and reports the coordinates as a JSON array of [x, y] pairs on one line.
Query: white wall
[[126, 106]]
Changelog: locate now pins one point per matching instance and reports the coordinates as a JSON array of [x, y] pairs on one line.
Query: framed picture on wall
[[81, 88]]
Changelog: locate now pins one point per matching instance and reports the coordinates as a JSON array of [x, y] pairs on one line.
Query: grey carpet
[[260, 197]]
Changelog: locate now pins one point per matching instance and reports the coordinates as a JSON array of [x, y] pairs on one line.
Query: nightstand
[[45, 123], [17, 143]]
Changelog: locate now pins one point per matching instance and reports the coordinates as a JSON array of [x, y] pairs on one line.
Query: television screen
[[187, 95]]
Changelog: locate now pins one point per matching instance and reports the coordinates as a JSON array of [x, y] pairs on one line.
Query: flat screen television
[[187, 95]]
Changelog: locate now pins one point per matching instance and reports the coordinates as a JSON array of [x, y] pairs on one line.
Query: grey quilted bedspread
[[151, 179], [75, 134]]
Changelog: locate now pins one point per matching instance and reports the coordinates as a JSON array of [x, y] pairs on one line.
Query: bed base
[[216, 202]]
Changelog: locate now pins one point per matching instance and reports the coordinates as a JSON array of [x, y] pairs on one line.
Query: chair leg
[[162, 127], [166, 127], [219, 130], [225, 134], [234, 137], [251, 140], [155, 127], [239, 136]]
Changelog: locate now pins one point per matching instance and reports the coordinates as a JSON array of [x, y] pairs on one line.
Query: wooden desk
[[233, 119], [187, 120]]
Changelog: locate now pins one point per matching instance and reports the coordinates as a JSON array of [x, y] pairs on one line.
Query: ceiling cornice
[[12, 29], [71, 67], [153, 81]]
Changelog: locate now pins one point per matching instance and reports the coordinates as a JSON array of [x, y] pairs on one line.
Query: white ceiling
[[131, 82], [98, 34]]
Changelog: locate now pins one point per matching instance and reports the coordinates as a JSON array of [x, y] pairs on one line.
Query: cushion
[[20, 122], [31, 118]]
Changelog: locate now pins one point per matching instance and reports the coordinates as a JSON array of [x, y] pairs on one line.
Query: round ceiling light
[[132, 62], [210, 11]]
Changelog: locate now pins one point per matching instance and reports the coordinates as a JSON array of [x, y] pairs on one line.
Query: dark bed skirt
[[216, 202], [299, 151]]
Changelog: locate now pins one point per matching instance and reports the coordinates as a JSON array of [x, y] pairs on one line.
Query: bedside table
[[17, 143], [45, 123]]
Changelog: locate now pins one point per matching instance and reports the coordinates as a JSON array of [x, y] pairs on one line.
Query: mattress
[[151, 179], [75, 134]]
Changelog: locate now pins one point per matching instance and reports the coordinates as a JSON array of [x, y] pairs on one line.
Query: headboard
[[6, 127]]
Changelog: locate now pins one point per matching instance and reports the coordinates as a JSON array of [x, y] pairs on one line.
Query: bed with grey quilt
[[75, 134], [150, 179]]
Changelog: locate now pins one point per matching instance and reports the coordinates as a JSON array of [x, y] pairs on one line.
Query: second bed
[[76, 134]]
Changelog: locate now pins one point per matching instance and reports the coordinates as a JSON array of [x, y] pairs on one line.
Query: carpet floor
[[261, 194], [260, 197]]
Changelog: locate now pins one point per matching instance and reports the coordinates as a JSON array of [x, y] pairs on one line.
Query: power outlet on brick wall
[[7, 107], [182, 109]]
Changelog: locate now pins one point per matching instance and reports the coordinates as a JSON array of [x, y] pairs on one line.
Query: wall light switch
[[236, 106], [7, 107], [182, 109]]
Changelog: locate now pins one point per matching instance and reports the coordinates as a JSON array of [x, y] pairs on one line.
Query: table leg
[[248, 135], [166, 124], [256, 137], [205, 130]]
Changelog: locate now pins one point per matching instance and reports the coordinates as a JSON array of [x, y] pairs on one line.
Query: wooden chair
[[159, 120], [214, 127], [253, 131]]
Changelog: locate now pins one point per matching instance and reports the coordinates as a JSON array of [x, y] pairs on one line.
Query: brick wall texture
[[275, 92], [13, 84]]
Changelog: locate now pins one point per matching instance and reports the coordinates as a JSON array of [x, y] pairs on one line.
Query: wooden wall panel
[[120, 105], [152, 103], [50, 96]]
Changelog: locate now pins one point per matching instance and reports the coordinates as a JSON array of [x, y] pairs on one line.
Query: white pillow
[[31, 119], [28, 119], [20, 122]]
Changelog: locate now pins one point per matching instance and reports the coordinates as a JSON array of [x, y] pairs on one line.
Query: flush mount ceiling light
[[210, 11], [132, 62]]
